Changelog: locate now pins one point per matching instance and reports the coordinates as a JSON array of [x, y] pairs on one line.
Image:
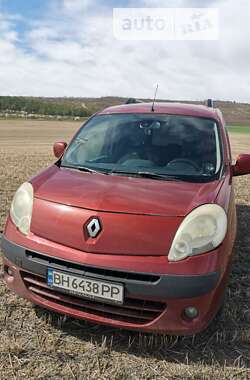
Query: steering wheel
[[184, 161]]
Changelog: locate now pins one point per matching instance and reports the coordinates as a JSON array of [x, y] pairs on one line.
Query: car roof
[[164, 108]]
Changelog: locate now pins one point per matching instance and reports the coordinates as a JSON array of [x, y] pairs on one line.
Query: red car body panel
[[196, 265], [156, 207], [165, 108], [149, 213], [122, 194]]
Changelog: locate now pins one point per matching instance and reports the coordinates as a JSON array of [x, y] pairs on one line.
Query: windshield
[[161, 145]]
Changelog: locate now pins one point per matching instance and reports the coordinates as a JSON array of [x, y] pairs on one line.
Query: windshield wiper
[[83, 169], [158, 176], [150, 175]]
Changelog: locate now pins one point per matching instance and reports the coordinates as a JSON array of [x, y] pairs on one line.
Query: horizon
[[127, 97]]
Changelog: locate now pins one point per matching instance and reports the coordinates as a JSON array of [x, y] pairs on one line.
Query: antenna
[[153, 105]]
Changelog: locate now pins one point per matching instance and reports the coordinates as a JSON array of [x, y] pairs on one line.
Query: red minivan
[[134, 224]]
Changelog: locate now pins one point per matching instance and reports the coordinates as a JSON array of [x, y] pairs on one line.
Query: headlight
[[201, 231], [21, 208]]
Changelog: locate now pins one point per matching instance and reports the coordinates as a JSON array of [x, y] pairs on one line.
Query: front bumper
[[153, 301]]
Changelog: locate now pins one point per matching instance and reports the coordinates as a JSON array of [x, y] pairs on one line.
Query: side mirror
[[59, 148], [242, 165]]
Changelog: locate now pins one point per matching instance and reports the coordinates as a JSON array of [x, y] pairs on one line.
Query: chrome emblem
[[94, 227]]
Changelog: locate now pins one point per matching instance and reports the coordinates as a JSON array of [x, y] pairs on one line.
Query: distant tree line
[[16, 104]]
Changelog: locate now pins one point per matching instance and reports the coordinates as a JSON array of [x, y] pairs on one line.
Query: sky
[[68, 48]]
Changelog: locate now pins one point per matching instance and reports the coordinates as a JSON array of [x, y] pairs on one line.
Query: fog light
[[191, 312]]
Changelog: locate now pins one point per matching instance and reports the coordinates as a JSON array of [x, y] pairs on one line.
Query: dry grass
[[35, 344]]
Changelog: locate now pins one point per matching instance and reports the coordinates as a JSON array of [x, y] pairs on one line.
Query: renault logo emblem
[[94, 227]]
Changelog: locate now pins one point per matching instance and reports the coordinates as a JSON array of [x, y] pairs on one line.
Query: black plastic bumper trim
[[168, 286]]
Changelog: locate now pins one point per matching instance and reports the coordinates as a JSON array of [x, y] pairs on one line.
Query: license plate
[[85, 286]]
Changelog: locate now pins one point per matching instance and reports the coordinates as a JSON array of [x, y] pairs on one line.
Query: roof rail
[[210, 103], [133, 101]]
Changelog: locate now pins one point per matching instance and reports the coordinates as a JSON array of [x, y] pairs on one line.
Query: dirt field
[[35, 344]]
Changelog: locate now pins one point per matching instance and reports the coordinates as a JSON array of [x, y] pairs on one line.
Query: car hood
[[119, 194]]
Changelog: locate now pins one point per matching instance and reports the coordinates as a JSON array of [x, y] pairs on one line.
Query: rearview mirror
[[242, 165], [59, 148]]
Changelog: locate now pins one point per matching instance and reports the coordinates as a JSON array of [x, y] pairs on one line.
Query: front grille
[[133, 310], [91, 271]]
